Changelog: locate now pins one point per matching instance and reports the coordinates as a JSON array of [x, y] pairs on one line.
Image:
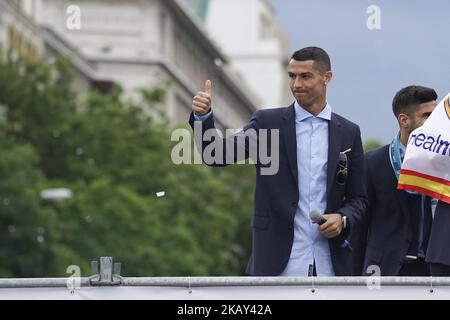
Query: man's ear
[[327, 77], [403, 120]]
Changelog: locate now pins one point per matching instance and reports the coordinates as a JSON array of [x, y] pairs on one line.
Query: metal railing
[[106, 283]]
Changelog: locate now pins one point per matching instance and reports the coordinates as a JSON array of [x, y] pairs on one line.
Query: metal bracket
[[107, 275]]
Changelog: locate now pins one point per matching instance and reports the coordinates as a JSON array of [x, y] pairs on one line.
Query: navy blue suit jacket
[[386, 232], [439, 244], [277, 196]]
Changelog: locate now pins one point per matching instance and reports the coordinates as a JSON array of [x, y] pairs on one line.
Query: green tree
[[24, 235], [115, 156], [372, 144]]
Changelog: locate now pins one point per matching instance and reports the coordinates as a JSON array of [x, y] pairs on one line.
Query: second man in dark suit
[[393, 238]]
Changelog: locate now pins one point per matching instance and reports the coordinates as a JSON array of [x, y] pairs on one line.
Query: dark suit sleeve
[[359, 236], [214, 149], [355, 202], [438, 251]]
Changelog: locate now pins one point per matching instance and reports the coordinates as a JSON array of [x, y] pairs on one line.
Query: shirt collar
[[301, 114]]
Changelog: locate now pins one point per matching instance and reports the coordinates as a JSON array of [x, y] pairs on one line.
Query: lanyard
[[394, 155]]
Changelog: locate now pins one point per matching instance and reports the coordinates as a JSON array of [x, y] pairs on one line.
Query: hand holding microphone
[[331, 227], [330, 224]]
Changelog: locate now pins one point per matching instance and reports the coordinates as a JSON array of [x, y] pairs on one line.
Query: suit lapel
[[334, 147], [290, 139]]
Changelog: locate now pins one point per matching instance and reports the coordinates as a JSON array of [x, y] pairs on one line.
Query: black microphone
[[316, 217]]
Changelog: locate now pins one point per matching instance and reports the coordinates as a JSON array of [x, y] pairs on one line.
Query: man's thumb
[[208, 86]]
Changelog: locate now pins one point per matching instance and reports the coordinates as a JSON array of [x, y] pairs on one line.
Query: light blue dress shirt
[[309, 244]]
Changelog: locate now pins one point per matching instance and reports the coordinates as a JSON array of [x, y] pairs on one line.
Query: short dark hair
[[318, 55], [407, 99]]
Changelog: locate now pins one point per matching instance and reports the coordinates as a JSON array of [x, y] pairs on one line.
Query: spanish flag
[[426, 167]]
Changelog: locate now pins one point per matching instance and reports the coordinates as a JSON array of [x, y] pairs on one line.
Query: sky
[[412, 46]]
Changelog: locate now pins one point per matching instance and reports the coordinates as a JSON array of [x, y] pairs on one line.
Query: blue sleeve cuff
[[202, 118]]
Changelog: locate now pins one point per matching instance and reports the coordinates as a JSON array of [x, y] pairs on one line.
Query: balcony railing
[[108, 284]]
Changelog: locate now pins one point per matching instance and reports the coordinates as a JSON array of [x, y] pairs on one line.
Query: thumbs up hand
[[201, 104]]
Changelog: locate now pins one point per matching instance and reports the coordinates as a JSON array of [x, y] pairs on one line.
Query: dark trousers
[[414, 268], [439, 270]]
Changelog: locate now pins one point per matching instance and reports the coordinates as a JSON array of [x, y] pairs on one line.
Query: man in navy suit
[[392, 240], [438, 254], [319, 166]]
